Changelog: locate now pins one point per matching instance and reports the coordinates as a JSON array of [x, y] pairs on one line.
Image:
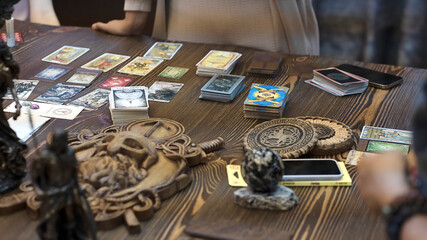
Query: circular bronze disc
[[156, 129], [341, 141], [289, 137], [323, 131]]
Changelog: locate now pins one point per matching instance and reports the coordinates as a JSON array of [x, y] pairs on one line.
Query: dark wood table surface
[[323, 212]]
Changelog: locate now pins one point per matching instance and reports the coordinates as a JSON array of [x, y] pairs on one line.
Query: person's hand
[[132, 24], [382, 178]]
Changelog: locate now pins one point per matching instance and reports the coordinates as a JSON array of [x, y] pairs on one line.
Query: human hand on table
[[382, 178], [132, 24]]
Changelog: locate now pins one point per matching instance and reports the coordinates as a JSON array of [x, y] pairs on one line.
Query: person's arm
[[136, 13], [414, 228]]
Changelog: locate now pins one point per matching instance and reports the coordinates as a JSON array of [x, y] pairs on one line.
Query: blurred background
[[379, 31]]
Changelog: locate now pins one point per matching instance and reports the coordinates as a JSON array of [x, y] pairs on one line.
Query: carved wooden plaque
[[289, 137]]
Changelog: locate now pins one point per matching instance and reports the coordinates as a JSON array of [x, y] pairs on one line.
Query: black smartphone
[[376, 79], [311, 169]]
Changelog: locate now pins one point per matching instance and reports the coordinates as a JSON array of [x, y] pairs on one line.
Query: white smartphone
[[311, 169]]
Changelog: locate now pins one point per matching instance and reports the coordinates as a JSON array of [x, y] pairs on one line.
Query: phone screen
[[376, 79], [311, 167]]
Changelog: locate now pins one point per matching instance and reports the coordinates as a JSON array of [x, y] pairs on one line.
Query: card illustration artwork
[[23, 89], [266, 95], [386, 134], [376, 146], [92, 100], [116, 81], [141, 66], [222, 83], [59, 93], [163, 50], [84, 76], [163, 91], [173, 72], [106, 62], [65, 55], [129, 97], [53, 72]]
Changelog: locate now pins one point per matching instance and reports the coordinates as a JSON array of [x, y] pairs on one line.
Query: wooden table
[[324, 212]]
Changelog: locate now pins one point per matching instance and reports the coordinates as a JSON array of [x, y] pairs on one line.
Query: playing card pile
[[222, 88], [265, 63], [128, 104], [217, 62], [265, 101], [337, 82]]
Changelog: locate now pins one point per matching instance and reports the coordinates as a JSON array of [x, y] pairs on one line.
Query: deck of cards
[[217, 62], [128, 104], [337, 82], [222, 88], [265, 101]]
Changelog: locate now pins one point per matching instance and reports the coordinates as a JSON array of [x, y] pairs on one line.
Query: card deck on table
[[23, 89], [338, 76], [65, 55], [53, 72], [135, 97], [163, 50], [92, 100], [116, 81], [218, 59], [354, 156], [173, 72], [223, 84], [386, 134], [163, 91], [84, 76], [376, 146], [265, 63], [106, 62], [141, 66], [262, 95], [18, 37], [59, 93]]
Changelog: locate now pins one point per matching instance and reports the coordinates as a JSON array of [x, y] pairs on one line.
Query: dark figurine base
[[8, 181]]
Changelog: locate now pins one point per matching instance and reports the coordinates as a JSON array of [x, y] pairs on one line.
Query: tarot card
[[84, 76], [375, 146], [222, 83], [163, 50], [135, 97], [65, 55], [173, 72], [59, 93], [141, 66], [23, 128], [92, 100], [27, 107], [386, 135], [218, 59], [105, 62], [23, 89], [163, 91], [64, 112], [354, 156], [116, 81], [53, 72]]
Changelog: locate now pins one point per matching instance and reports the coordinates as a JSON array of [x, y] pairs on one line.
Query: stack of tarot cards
[[337, 82], [128, 104], [217, 62], [222, 88], [265, 101]]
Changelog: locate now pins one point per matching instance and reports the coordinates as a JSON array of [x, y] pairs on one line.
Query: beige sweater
[[287, 26]]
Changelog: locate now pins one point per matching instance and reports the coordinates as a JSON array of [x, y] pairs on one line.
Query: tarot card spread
[[23, 89], [386, 134], [84, 76], [53, 72], [59, 94], [65, 55], [140, 66], [163, 50], [163, 91], [92, 100], [116, 81], [173, 72], [105, 62]]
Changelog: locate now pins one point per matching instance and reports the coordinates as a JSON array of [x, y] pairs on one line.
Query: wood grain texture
[[324, 212]]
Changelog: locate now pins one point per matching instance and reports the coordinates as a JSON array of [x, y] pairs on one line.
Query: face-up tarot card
[[92, 100], [218, 59], [23, 89], [163, 91], [116, 81], [386, 134], [64, 112], [223, 83], [65, 55], [27, 107], [23, 128], [375, 146], [354, 156], [129, 97], [105, 62], [173, 72], [59, 94], [163, 50], [53, 72], [141, 66], [84, 76]]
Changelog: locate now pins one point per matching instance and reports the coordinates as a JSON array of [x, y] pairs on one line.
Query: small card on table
[[106, 62], [65, 55], [84, 76], [59, 93], [376, 146], [386, 135], [173, 72], [53, 72], [116, 81], [163, 50], [92, 100], [141, 66], [163, 91], [23, 89]]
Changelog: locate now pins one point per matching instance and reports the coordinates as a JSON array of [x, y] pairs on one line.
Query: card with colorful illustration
[[23, 89], [354, 156], [173, 72], [135, 98], [141, 66], [218, 59], [59, 93], [106, 62], [163, 50], [116, 81], [65, 55], [84, 76], [53, 72], [267, 96], [376, 146], [92, 100], [163, 91], [386, 135]]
